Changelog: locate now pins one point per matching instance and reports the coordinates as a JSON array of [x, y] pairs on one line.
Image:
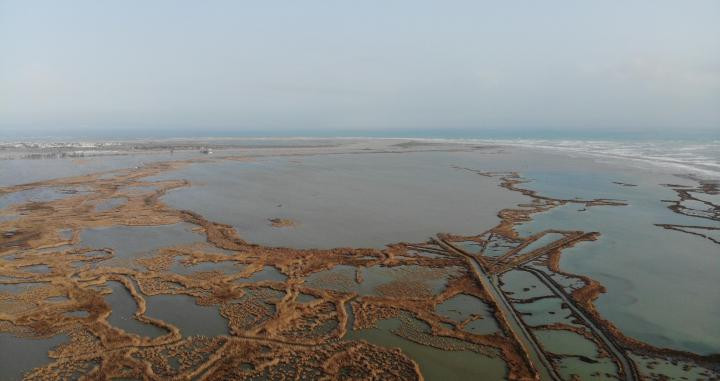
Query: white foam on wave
[[681, 157], [685, 157]]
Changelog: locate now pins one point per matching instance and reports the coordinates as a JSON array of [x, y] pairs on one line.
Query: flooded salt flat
[[373, 200], [378, 280], [342, 200], [23, 171], [36, 195], [110, 204], [132, 242]]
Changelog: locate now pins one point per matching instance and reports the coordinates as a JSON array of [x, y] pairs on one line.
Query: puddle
[[37, 269], [57, 299], [471, 247], [137, 189], [8, 217], [305, 298], [65, 234], [110, 204], [421, 253], [267, 273], [17, 288], [77, 314], [225, 267]]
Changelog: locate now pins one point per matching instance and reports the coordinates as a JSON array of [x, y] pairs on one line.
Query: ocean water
[[700, 157]]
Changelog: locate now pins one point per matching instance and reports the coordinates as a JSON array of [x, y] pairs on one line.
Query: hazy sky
[[350, 65]]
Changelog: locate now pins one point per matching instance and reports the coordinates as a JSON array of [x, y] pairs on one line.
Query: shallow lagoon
[[342, 200], [675, 266], [132, 242], [182, 311], [34, 354], [372, 200], [435, 364], [372, 279], [645, 268]]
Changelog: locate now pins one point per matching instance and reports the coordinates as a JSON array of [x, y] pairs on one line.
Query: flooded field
[[351, 261]]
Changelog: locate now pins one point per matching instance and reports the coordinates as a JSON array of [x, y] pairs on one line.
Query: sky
[[343, 67]]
